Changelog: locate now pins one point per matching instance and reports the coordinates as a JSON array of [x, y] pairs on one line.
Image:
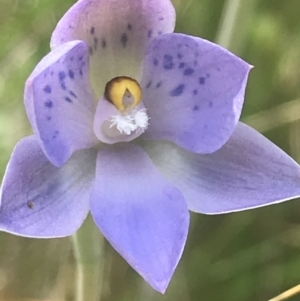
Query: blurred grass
[[244, 256]]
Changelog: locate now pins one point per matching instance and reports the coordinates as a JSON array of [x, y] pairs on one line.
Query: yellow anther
[[116, 88]]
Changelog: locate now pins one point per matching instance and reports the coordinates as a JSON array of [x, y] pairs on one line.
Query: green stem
[[88, 252], [234, 24]]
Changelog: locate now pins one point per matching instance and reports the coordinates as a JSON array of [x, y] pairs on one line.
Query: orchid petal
[[117, 33], [60, 104], [40, 200], [249, 171], [142, 216], [194, 92]]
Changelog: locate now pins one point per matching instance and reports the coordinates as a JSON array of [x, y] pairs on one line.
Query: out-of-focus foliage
[[243, 256]]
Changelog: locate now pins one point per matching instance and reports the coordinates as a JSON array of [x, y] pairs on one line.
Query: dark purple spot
[[180, 55], [188, 71], [201, 80], [30, 205], [47, 89], [218, 69], [80, 71], [210, 104], [160, 32], [52, 73], [195, 108], [72, 58], [161, 18], [129, 26], [62, 76], [68, 99], [168, 62], [155, 62], [158, 85], [150, 33], [181, 65], [103, 43], [80, 58], [49, 104], [91, 50], [56, 133], [95, 43], [92, 31], [124, 39], [71, 74], [49, 118], [149, 85], [177, 91], [195, 92], [73, 94], [63, 85]]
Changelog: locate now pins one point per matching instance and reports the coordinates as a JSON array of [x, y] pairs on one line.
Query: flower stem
[[234, 24], [288, 294], [88, 252]]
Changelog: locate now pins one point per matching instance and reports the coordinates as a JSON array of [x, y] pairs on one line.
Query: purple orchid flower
[[137, 124]]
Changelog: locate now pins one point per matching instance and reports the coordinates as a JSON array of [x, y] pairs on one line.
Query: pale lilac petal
[[60, 103], [117, 33], [40, 200], [142, 216], [194, 92], [249, 171]]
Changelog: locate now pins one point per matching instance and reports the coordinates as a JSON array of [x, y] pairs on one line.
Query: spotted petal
[[249, 171], [117, 33], [60, 103], [143, 216], [194, 92], [40, 200]]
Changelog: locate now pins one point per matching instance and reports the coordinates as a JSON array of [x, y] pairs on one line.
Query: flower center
[[120, 87], [125, 94]]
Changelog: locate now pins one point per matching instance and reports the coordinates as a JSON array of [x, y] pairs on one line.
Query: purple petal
[[249, 171], [40, 200], [143, 216], [60, 104], [117, 33], [194, 92]]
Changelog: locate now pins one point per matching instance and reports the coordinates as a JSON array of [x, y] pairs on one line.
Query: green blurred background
[[244, 256]]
